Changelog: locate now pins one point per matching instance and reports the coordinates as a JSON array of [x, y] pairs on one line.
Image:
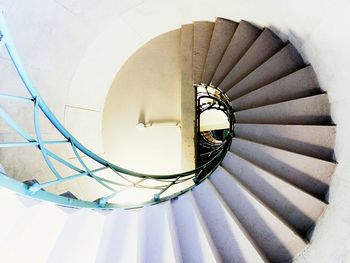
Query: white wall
[[65, 44], [146, 90]]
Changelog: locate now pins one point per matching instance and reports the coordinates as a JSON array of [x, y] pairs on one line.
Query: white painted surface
[[213, 120], [229, 235], [146, 90], [157, 241], [194, 239], [32, 239], [123, 246], [15, 209], [79, 239]]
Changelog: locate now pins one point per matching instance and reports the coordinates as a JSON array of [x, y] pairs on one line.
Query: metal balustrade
[[120, 178]]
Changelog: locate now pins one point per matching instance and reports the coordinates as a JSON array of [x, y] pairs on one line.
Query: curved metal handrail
[[167, 181]]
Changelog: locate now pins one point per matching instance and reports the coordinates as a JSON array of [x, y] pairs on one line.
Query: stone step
[[312, 140], [283, 63], [230, 237], [295, 206], [243, 38], [312, 110], [155, 231], [15, 208], [84, 226], [309, 174], [195, 242], [124, 246], [222, 35], [202, 32], [272, 235], [264, 47], [299, 84], [34, 233]]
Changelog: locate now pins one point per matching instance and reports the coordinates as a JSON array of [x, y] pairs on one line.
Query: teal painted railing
[[161, 184]]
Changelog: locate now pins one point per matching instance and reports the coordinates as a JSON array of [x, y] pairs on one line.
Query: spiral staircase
[[261, 202]]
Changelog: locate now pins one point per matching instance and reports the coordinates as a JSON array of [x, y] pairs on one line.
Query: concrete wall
[[146, 90], [65, 44]]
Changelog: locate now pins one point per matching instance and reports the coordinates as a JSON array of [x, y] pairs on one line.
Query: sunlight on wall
[[213, 120], [146, 89]]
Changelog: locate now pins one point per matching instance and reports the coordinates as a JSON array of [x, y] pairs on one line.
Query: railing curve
[[126, 179]]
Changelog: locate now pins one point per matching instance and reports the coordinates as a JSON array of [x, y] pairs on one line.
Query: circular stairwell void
[[263, 201]]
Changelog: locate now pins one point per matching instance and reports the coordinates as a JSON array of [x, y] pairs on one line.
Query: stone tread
[[283, 63], [221, 37], [309, 174], [313, 110], [311, 140], [202, 32], [243, 38], [295, 206], [264, 47], [220, 220], [299, 84], [279, 242]]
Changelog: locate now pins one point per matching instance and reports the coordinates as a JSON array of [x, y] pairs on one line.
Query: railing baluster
[[27, 144], [208, 99], [39, 139], [36, 187], [157, 196], [14, 97]]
